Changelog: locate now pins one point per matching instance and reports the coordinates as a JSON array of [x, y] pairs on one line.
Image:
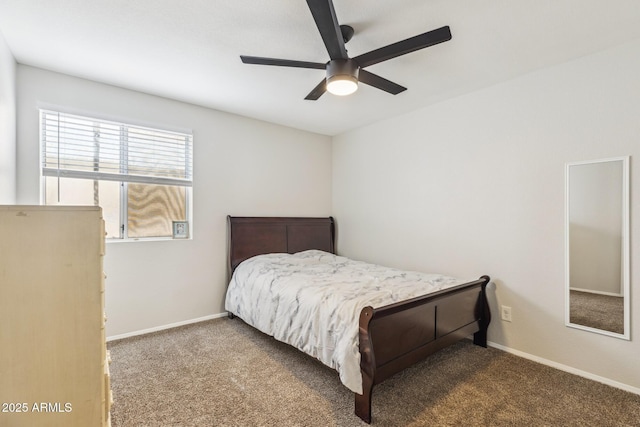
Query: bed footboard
[[397, 336]]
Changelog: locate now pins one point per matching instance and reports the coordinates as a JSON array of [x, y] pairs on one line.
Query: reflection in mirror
[[597, 246]]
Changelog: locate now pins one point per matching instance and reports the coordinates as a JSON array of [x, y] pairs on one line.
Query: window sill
[[146, 239]]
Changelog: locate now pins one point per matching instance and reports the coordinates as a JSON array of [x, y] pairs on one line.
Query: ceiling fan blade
[[281, 62], [380, 83], [317, 91], [403, 47], [325, 16]]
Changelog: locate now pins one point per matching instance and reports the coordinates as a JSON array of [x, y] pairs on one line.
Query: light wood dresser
[[53, 359]]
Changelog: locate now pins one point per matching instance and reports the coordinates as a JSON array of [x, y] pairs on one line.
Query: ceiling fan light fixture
[[342, 85], [342, 77]]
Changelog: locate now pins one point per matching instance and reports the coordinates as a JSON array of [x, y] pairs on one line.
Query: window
[[141, 177]]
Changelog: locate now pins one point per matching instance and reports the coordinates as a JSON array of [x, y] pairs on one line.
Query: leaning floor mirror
[[597, 246]]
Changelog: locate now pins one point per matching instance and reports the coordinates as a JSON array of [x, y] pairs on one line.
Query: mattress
[[312, 301]]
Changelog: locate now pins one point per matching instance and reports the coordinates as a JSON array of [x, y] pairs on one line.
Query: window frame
[[124, 127]]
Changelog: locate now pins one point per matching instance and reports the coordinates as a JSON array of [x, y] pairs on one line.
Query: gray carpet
[[597, 311], [224, 373]]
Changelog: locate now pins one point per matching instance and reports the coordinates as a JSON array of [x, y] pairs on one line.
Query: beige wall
[[241, 167], [7, 124], [475, 185]]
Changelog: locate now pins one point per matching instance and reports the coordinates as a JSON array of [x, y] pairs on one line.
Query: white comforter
[[312, 301]]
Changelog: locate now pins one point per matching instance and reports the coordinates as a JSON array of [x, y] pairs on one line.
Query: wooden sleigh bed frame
[[393, 337]]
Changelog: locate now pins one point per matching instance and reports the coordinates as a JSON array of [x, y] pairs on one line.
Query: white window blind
[[83, 147]]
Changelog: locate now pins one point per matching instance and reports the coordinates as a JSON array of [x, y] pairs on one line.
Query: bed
[[269, 252]]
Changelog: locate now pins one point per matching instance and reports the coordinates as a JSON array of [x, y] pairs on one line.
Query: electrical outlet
[[506, 313]]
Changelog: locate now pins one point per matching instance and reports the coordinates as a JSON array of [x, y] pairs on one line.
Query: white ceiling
[[189, 49]]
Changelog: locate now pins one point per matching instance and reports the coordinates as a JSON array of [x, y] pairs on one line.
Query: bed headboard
[[250, 236]]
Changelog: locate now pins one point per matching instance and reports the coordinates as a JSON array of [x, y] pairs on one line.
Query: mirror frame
[[626, 285]]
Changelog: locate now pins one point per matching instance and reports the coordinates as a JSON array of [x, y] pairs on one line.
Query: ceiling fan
[[344, 73]]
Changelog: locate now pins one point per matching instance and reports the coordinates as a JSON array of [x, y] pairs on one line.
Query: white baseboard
[[163, 327], [569, 369], [591, 291]]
